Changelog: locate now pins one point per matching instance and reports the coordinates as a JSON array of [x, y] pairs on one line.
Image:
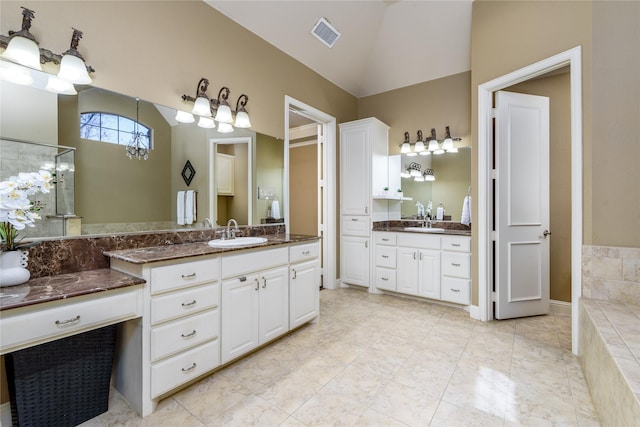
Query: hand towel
[[180, 208], [466, 211], [189, 207], [275, 209]]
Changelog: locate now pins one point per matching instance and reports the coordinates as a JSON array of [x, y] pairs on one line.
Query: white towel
[[466, 211], [189, 207], [180, 207], [275, 209]]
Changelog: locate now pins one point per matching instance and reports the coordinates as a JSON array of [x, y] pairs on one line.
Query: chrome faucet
[[231, 234], [206, 222]]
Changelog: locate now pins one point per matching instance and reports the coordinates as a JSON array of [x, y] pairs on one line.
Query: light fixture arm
[[27, 17], [223, 96], [242, 103]]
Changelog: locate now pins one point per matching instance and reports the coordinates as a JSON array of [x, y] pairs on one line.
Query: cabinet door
[[239, 316], [355, 171], [355, 264], [274, 303], [225, 169], [304, 289], [429, 273], [407, 273]]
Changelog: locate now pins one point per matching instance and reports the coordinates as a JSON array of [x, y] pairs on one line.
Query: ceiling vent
[[325, 32]]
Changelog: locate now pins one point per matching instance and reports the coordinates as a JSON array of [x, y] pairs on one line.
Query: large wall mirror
[[453, 181], [109, 193]]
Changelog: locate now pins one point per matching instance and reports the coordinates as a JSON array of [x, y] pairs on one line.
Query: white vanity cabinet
[[304, 283], [385, 261], [419, 265], [255, 300], [456, 269]]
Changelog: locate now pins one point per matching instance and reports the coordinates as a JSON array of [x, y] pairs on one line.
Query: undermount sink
[[424, 229], [237, 242]]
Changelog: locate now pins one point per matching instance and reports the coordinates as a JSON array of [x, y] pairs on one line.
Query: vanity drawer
[[182, 303], [385, 279], [356, 225], [248, 262], [386, 256], [304, 252], [457, 244], [176, 276], [416, 240], [171, 373], [456, 265], [182, 334], [455, 290], [384, 238], [68, 317]]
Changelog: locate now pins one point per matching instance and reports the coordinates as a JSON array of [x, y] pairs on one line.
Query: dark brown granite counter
[[186, 250], [450, 228], [63, 286]]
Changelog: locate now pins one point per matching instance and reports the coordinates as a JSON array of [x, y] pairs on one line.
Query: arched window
[[112, 128]]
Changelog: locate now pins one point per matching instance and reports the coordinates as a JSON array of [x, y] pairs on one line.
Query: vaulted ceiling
[[384, 44]]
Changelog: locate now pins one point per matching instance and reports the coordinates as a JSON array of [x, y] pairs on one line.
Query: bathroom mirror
[[113, 193], [453, 180]]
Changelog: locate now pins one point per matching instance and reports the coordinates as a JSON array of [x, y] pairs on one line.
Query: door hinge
[[493, 235], [494, 113], [494, 297], [321, 183], [493, 174]]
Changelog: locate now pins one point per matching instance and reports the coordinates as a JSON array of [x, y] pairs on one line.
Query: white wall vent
[[325, 32]]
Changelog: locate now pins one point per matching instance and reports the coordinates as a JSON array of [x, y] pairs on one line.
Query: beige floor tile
[[250, 411], [373, 418], [290, 392], [405, 404], [450, 415], [358, 383], [328, 408]]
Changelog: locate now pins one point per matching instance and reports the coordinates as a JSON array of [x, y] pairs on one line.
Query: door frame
[[329, 250], [573, 58]]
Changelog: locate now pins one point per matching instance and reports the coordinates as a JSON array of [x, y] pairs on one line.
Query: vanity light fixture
[[434, 147], [418, 146], [21, 47], [429, 175], [137, 148], [447, 144], [405, 147], [203, 107]]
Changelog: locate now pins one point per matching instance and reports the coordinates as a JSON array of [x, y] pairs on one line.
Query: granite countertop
[[445, 233], [63, 286], [450, 228], [186, 250]]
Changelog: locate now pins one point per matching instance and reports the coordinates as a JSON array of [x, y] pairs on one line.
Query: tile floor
[[377, 360]]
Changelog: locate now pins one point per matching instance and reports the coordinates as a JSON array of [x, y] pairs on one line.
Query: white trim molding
[[573, 58]]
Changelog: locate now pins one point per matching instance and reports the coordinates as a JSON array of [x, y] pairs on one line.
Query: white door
[[354, 266], [303, 293], [429, 273], [274, 303], [407, 271], [239, 316], [355, 170], [522, 205]]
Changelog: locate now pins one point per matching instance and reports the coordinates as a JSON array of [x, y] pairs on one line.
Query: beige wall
[[269, 172], [557, 88], [111, 188], [20, 104], [303, 189]]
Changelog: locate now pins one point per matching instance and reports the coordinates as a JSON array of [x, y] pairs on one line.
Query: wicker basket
[[63, 382]]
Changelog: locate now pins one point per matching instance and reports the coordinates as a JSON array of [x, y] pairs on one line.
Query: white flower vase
[[13, 269]]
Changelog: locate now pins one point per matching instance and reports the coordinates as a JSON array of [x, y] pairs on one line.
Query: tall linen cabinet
[[364, 176]]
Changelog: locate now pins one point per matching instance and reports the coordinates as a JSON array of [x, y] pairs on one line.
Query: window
[[112, 128]]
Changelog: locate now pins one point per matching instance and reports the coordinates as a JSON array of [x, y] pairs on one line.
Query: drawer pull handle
[[385, 239], [295, 273], [189, 276], [190, 334], [189, 304], [385, 256], [306, 253], [64, 322], [457, 245], [264, 283], [243, 279], [257, 284], [455, 265], [354, 219], [190, 368], [455, 290], [385, 278]]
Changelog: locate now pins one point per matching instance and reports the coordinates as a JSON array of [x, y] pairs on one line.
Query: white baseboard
[[561, 307], [474, 312], [5, 415]]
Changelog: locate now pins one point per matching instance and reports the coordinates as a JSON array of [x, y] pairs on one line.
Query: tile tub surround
[[51, 257], [380, 360], [611, 273], [610, 358]]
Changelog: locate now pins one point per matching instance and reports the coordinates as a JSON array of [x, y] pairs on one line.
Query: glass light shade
[[429, 178], [405, 148], [202, 107], [206, 122], [23, 51], [242, 120], [62, 87], [419, 147], [416, 173], [405, 174], [447, 144], [438, 151], [433, 145], [225, 128], [15, 74], [452, 150], [419, 178], [184, 117], [224, 114], [74, 70], [425, 153], [412, 154]]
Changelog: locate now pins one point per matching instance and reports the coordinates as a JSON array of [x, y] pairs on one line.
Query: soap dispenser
[[440, 212]]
